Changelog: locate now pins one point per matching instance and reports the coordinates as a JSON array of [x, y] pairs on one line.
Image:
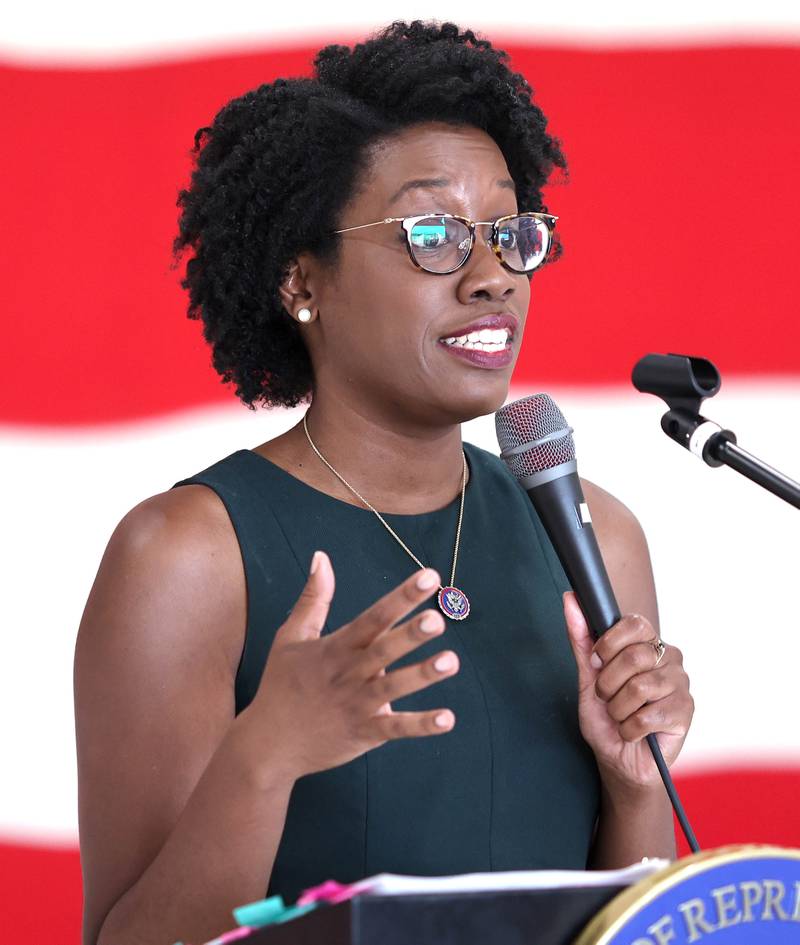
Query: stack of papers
[[393, 884]]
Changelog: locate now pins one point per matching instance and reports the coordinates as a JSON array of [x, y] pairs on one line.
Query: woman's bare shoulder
[[172, 566], [610, 514], [190, 511]]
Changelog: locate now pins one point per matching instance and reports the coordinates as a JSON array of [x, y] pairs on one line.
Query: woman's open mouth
[[484, 347]]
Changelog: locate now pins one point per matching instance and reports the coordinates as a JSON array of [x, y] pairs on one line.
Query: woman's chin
[[479, 400]]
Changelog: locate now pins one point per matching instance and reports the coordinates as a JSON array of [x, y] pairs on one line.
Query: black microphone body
[[563, 511]]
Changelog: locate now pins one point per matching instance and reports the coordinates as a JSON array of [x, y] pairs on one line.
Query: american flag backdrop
[[680, 221]]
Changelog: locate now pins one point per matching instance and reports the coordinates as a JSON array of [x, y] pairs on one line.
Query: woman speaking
[[352, 649]]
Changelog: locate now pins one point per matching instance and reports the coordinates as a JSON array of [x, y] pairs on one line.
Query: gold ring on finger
[[660, 649]]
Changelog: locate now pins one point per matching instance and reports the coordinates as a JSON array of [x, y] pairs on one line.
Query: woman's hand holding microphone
[[626, 692]]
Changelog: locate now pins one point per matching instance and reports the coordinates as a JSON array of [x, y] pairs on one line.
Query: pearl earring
[[304, 315]]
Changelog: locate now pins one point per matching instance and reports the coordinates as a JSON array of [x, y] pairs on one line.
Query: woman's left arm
[[624, 696]]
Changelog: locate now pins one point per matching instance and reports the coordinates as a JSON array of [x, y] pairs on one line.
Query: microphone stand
[[683, 383], [727, 452]]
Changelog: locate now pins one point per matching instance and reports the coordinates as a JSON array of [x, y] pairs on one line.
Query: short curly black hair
[[278, 164]]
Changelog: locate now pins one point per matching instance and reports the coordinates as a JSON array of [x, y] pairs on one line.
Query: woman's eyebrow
[[420, 182], [427, 182]]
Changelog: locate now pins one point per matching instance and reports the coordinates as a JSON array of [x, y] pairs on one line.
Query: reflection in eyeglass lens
[[523, 243], [439, 243]]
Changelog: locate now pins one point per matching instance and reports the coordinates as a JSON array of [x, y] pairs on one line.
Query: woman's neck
[[400, 468]]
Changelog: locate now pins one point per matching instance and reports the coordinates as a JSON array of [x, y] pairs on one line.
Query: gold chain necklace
[[453, 602]]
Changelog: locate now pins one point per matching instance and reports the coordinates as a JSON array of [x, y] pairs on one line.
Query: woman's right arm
[[182, 805], [176, 826]]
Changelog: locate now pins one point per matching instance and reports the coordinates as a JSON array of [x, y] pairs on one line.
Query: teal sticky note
[[262, 912]]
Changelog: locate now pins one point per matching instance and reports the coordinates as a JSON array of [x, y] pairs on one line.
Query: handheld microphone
[[537, 446]]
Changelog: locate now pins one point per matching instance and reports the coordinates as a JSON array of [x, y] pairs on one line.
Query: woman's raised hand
[[324, 700]]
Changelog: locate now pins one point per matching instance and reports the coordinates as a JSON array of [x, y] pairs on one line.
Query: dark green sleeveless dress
[[513, 785]]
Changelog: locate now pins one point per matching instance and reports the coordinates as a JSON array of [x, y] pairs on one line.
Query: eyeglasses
[[442, 242]]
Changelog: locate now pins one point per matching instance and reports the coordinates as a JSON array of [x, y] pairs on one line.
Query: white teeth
[[485, 346], [487, 339], [476, 345]]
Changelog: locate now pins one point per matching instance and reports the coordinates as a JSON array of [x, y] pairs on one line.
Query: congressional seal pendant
[[453, 603]]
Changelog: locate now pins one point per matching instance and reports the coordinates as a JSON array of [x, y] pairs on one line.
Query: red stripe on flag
[[679, 223], [741, 805], [42, 898]]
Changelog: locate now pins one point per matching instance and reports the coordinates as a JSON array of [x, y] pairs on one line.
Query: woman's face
[[379, 340]]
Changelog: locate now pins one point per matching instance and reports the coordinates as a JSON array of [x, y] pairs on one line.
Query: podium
[[742, 895], [511, 917]]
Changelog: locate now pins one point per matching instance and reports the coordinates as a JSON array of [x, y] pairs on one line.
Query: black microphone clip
[[683, 382]]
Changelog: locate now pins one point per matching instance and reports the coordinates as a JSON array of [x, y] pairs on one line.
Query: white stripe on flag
[[88, 30]]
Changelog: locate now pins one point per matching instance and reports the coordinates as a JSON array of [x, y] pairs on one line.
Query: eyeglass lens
[[441, 244]]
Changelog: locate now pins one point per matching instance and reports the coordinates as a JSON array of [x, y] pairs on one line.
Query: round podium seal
[[738, 895]]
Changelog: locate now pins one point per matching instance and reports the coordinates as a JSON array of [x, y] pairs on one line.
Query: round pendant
[[453, 603]]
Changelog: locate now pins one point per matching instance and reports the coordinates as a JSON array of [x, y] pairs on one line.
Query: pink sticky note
[[331, 891]]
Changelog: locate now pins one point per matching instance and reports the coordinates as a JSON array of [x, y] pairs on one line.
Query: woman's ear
[[294, 291]]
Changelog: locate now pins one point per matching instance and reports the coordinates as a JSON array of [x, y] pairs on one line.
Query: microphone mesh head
[[529, 421]]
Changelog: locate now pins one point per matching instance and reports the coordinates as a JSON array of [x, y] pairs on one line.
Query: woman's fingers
[[627, 650], [580, 639], [392, 644], [412, 724], [645, 691], [632, 628], [668, 716], [635, 660], [388, 610], [641, 689], [402, 682], [308, 616]]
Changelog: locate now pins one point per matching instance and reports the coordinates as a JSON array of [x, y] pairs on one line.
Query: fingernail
[[427, 580], [315, 562], [429, 623], [446, 661], [596, 661], [444, 720]]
